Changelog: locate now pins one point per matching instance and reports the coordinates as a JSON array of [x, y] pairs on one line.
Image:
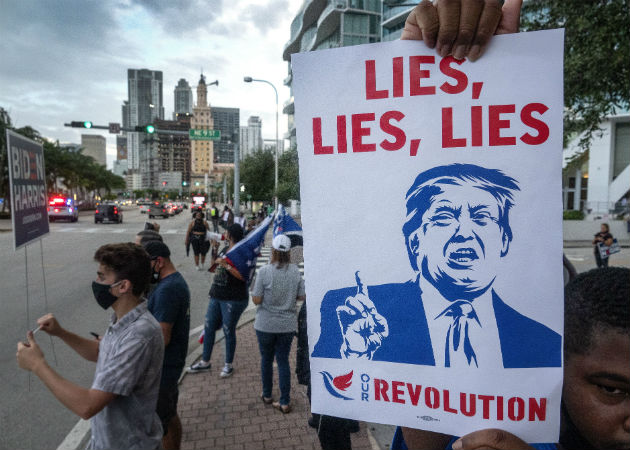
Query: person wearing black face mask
[[170, 305], [122, 399]]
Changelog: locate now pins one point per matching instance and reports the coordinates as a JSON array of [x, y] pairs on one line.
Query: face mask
[[103, 297]]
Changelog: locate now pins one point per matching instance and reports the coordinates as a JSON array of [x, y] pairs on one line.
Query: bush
[[572, 215]]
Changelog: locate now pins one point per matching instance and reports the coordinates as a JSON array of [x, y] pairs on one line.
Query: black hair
[[148, 236], [129, 262], [235, 231], [596, 300]]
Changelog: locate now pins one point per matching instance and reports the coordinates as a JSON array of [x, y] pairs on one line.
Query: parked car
[[60, 207], [158, 209], [108, 213]]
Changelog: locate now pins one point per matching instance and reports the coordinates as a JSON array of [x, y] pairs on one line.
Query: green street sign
[[204, 135]]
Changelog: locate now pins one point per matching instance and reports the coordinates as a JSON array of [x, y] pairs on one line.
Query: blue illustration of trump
[[457, 230]]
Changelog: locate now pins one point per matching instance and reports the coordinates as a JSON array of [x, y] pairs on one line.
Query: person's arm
[[256, 300], [83, 402], [461, 28], [231, 270], [167, 331], [188, 231], [87, 348], [258, 290]]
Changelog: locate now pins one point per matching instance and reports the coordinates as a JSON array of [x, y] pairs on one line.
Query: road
[[30, 417]]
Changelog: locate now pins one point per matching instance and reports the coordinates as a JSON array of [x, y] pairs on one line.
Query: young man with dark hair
[[595, 411], [121, 402], [170, 305]]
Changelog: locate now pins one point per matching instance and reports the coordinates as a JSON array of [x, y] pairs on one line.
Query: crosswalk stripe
[[172, 231]]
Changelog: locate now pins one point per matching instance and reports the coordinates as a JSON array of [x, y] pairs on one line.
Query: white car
[[62, 208]]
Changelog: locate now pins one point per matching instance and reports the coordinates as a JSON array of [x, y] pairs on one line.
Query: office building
[[94, 145], [322, 24], [251, 137], [394, 15], [183, 98], [120, 167], [227, 120], [174, 149]]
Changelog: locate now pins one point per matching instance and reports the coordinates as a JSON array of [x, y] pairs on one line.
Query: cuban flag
[[244, 254], [284, 224]]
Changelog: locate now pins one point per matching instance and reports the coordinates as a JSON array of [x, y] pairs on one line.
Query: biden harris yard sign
[[431, 209]]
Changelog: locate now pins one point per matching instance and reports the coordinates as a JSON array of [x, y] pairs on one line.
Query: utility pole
[[237, 176]]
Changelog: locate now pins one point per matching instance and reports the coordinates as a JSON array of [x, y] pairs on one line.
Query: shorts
[[199, 245], [167, 404]]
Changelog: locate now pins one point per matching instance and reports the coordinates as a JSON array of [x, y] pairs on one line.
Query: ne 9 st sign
[[27, 177]]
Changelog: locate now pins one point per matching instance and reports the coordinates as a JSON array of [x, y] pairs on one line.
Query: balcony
[[394, 14], [306, 17], [288, 107]]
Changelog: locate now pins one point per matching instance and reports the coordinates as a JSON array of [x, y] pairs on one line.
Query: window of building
[[570, 200], [571, 182]]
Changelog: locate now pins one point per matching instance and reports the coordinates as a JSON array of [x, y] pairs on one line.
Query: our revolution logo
[[337, 386]]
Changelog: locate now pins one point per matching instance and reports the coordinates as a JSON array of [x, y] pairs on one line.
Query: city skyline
[[70, 63]]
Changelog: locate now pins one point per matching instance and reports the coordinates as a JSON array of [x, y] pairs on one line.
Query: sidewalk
[[228, 413]]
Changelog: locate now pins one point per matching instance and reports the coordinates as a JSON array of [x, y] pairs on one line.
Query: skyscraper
[[251, 136], [183, 98], [201, 152], [144, 104], [227, 120]]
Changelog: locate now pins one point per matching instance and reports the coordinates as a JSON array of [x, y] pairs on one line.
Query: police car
[[60, 207]]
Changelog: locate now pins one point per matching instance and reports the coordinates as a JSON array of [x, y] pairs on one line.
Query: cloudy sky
[[67, 60]]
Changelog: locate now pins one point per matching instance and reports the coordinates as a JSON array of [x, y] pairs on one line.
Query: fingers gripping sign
[[29, 354], [362, 327]]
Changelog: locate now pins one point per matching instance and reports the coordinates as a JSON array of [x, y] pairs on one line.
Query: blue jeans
[[222, 313], [278, 345]]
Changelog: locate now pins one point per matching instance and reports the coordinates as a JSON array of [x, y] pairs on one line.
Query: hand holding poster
[[431, 199]]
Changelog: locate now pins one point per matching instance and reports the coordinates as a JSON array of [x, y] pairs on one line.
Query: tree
[[257, 174], [597, 58], [288, 176]]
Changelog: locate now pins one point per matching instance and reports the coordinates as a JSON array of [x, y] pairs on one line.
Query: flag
[[285, 224], [244, 254]]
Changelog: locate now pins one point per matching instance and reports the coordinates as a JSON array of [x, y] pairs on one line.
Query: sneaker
[[226, 372], [199, 366]]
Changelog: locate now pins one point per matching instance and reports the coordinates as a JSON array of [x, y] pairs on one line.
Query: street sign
[[114, 128], [204, 135], [27, 178]]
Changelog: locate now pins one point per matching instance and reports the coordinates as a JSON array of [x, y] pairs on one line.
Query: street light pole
[[275, 188]]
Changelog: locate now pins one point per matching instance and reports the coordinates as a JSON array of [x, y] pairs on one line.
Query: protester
[[121, 402], [595, 412], [153, 226], [228, 300], [604, 237], [278, 286], [196, 236], [333, 432], [170, 305], [214, 217], [145, 236]]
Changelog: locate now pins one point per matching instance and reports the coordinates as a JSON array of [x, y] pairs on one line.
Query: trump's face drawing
[[460, 240], [458, 230]]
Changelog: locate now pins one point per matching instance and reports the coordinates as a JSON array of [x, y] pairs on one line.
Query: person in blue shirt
[[170, 305]]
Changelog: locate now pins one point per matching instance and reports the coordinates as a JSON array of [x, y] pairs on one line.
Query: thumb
[[510, 17], [31, 339]]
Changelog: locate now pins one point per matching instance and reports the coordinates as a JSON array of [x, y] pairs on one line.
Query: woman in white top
[[278, 286]]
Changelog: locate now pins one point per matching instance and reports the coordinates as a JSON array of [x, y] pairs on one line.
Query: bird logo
[[337, 386]]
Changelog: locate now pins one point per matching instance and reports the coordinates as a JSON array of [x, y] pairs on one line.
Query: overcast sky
[[67, 60]]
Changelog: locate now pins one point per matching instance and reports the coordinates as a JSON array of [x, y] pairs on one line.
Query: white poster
[[432, 218]]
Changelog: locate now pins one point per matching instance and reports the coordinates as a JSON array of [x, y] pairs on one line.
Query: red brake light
[[96, 212]]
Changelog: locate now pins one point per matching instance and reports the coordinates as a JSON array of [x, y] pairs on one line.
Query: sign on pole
[[426, 182], [114, 128], [27, 178], [204, 135]]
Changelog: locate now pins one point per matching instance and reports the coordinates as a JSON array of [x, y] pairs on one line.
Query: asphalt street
[[30, 417]]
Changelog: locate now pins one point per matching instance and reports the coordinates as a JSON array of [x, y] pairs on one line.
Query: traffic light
[[149, 129], [164, 183], [85, 124], [184, 183]]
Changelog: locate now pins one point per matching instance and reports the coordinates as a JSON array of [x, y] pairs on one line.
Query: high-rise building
[[143, 106], [94, 145], [324, 24], [183, 98], [395, 13], [251, 137], [201, 152], [121, 147], [227, 120], [174, 149], [120, 167]]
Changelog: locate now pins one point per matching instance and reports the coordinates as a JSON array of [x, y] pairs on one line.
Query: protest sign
[[432, 215], [27, 178]]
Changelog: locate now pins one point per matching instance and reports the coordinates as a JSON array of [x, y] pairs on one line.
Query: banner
[[27, 177], [431, 204], [283, 223]]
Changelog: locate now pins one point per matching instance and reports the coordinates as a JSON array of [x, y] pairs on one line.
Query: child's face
[[597, 391]]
